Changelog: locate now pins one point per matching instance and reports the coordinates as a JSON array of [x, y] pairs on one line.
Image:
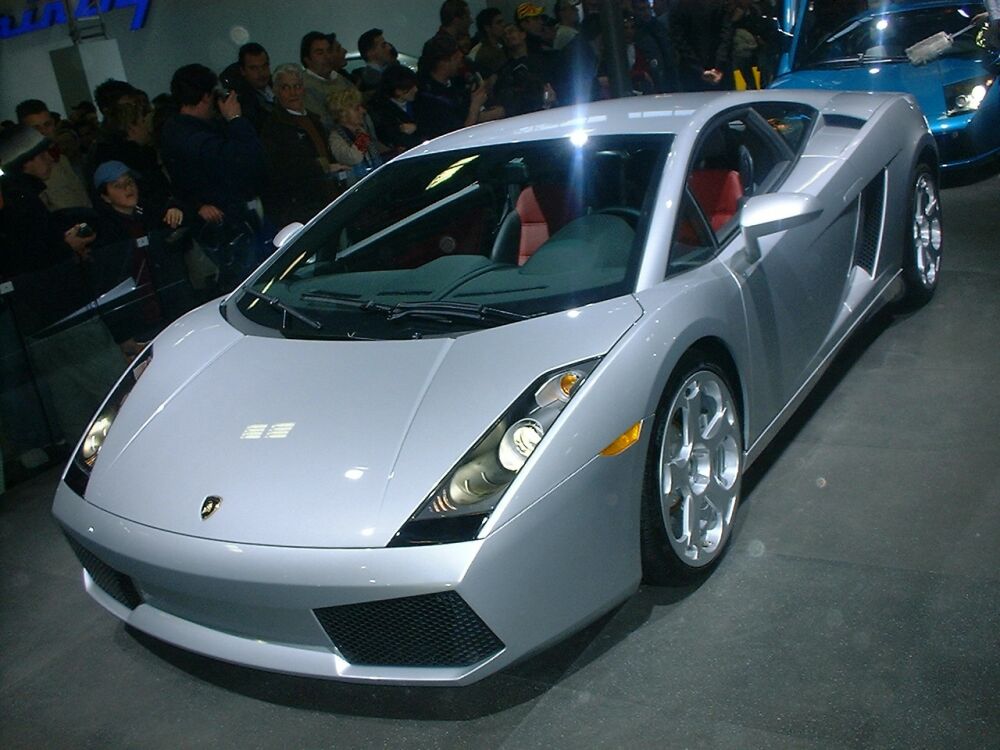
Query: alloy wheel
[[926, 230], [700, 468]]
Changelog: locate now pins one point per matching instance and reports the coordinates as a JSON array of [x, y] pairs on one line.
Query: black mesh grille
[[870, 223], [116, 585], [433, 630]]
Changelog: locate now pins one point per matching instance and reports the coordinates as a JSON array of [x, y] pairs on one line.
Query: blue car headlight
[[78, 471], [464, 499], [966, 96]]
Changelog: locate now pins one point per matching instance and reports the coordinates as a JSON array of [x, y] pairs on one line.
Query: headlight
[[966, 96], [78, 471], [462, 502]]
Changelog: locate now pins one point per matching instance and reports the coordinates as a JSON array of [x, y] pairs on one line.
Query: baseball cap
[[109, 171], [19, 144], [528, 10]]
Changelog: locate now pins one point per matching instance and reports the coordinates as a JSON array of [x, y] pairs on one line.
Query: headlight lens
[[78, 471], [456, 510], [966, 96]]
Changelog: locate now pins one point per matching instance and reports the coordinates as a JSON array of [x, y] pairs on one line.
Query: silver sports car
[[499, 382]]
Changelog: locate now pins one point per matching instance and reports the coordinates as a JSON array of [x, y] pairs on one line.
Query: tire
[[693, 474], [923, 242]]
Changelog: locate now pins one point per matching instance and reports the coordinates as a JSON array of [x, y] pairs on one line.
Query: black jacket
[[256, 108], [520, 85], [213, 162], [388, 116], [31, 237], [297, 186], [440, 108], [696, 33], [142, 160]]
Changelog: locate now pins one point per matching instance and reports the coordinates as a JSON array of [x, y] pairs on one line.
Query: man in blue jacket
[[216, 163]]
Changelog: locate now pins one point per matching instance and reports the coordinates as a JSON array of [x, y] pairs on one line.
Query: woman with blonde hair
[[350, 141]]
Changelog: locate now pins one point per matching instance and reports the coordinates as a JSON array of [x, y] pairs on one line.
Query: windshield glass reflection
[[452, 242]]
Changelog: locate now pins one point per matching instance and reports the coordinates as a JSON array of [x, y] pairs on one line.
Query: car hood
[[319, 443], [924, 82]]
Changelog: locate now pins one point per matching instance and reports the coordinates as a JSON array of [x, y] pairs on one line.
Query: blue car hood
[[924, 82]]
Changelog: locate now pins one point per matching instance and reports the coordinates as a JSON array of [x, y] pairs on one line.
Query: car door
[[794, 291]]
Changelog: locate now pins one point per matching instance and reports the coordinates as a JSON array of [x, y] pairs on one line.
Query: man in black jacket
[[392, 109], [442, 105], [301, 179], [696, 33], [34, 238], [250, 78], [216, 166]]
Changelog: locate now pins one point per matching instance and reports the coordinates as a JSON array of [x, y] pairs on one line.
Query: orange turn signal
[[568, 382], [624, 441]]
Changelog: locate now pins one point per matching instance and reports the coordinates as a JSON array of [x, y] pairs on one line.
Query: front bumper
[[487, 603]]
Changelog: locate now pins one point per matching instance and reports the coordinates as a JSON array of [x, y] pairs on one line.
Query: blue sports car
[[862, 46]]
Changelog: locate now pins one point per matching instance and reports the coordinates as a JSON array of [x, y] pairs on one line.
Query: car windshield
[[447, 243], [831, 39]]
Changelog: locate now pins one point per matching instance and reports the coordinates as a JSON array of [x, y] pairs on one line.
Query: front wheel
[[693, 474], [924, 241]]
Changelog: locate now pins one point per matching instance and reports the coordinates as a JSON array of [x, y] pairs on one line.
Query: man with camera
[[250, 78], [216, 162]]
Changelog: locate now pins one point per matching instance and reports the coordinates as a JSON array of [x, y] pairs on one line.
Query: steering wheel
[[631, 215]]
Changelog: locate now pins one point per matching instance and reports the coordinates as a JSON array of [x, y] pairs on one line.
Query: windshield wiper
[[459, 310], [366, 305], [286, 310], [846, 30], [851, 60], [428, 309]]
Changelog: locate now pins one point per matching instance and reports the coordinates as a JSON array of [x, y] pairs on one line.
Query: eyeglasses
[[292, 86]]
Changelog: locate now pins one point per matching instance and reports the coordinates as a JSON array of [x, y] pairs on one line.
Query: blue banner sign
[[53, 13]]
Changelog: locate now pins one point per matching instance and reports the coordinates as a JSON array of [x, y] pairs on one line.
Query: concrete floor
[[859, 605]]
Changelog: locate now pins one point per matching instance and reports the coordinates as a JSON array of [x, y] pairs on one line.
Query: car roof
[[904, 7], [663, 113]]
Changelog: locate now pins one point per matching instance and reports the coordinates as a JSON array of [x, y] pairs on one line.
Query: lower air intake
[[432, 630], [116, 585]]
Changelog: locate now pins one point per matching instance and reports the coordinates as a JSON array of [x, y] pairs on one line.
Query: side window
[[740, 156], [789, 120], [723, 172], [692, 244]]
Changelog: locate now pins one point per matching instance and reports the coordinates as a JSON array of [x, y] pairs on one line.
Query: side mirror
[[767, 214], [286, 233]]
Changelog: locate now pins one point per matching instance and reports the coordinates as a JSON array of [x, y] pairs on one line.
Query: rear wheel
[[693, 474], [923, 244]]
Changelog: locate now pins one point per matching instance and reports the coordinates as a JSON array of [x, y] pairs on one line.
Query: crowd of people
[[255, 147], [132, 192]]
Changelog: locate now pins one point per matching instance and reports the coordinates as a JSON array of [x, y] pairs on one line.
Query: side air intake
[[871, 213]]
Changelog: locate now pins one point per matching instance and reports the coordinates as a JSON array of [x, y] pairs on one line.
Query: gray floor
[[859, 605]]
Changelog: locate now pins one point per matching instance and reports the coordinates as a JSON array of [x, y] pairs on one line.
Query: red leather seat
[[718, 192], [543, 210]]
